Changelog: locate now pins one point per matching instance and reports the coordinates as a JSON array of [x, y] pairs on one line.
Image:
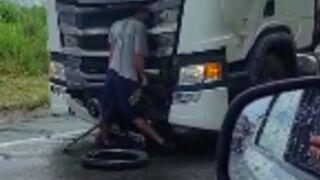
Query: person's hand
[[144, 81], [315, 145]]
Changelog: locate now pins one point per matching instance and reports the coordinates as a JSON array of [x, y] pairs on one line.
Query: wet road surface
[[32, 150]]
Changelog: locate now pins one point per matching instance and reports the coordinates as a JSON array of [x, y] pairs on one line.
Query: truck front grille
[[84, 28]]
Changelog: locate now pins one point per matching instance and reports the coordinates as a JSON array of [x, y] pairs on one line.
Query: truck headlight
[[201, 73], [191, 75], [57, 71]]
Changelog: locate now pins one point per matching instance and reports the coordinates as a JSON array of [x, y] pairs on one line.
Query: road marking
[[39, 139]]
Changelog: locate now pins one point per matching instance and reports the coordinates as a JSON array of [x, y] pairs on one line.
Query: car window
[[273, 135], [263, 137], [241, 144], [286, 134], [306, 124]]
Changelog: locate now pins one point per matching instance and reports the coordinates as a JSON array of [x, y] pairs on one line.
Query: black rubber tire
[[273, 55], [115, 159], [273, 69]]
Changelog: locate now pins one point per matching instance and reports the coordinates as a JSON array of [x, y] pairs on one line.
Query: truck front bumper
[[205, 114]]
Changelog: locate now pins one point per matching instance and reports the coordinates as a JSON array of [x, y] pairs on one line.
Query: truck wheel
[[273, 69], [273, 58]]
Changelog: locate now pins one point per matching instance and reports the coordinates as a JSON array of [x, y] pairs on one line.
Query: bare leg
[[148, 130], [104, 132]]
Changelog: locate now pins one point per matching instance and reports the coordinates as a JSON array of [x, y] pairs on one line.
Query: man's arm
[[111, 45], [139, 63], [141, 50], [111, 52]]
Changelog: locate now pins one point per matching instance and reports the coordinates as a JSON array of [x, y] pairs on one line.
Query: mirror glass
[[276, 138]]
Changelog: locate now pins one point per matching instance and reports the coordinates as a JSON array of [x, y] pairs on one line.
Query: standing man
[[128, 52]]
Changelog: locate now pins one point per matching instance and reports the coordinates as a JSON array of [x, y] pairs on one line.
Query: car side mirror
[[273, 132]]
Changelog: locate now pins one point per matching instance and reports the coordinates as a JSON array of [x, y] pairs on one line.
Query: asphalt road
[[31, 149]]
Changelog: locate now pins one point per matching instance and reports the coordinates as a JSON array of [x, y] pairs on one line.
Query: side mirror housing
[[272, 132]]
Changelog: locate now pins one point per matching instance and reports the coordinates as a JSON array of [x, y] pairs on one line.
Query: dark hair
[[142, 8], [138, 8]]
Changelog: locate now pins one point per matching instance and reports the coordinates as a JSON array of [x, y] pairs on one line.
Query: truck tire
[[272, 58], [115, 159], [273, 69]]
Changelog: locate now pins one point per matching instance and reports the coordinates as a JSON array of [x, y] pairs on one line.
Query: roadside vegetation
[[23, 57]]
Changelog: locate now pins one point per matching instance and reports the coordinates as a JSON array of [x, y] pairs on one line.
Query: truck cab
[[203, 53]]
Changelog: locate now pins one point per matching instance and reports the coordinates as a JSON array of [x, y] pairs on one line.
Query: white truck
[[204, 52]]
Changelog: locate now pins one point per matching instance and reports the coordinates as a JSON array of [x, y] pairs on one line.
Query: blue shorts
[[116, 94]]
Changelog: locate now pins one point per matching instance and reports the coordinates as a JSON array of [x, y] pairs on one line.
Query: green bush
[[23, 37]]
